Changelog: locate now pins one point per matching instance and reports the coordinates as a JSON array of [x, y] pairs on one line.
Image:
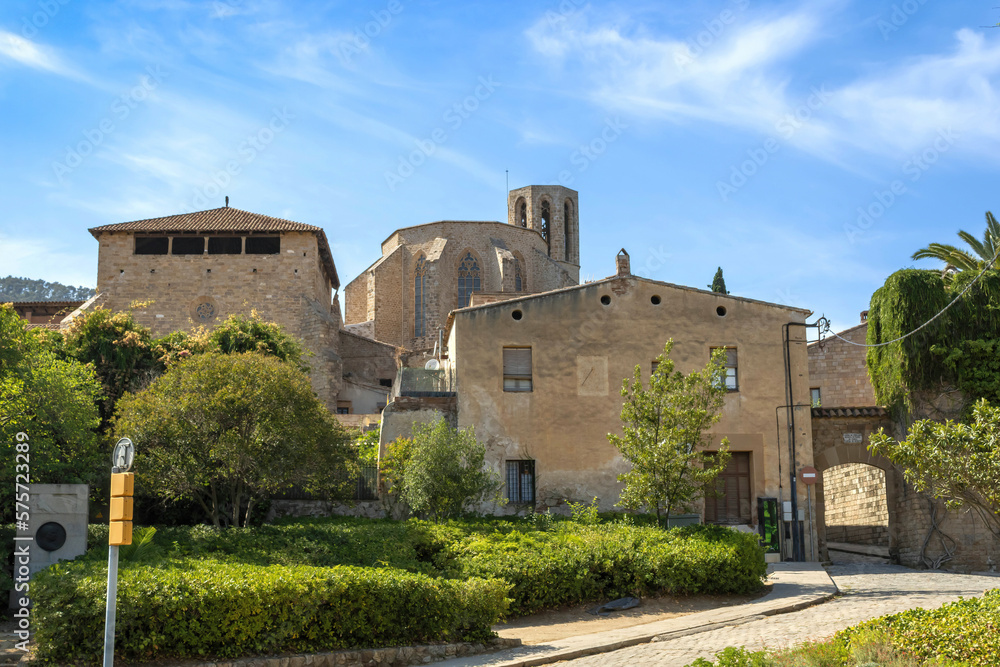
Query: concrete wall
[[581, 351], [290, 288]]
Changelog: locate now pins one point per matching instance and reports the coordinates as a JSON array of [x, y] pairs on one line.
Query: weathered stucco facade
[[583, 341], [426, 271]]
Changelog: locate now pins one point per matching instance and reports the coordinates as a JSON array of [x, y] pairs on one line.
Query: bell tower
[[553, 211]]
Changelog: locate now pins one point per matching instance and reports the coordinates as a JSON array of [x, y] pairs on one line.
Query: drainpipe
[[798, 551]]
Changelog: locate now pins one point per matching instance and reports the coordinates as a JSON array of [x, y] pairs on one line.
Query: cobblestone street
[[868, 591]]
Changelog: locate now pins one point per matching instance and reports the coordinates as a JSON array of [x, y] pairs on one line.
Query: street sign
[[809, 475], [123, 455]]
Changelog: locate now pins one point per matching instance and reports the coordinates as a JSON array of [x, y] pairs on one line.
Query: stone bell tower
[[554, 212]]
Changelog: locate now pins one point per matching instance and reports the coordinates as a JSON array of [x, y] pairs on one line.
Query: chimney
[[227, 201], [623, 264]]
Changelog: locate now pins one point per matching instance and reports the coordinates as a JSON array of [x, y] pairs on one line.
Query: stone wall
[[856, 509], [838, 370]]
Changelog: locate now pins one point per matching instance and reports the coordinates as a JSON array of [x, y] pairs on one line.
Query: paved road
[[869, 590]]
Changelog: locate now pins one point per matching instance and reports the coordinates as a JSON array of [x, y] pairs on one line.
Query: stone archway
[[831, 451]]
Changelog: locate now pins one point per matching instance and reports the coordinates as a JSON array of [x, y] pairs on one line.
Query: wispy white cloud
[[25, 52], [744, 79], [38, 259]]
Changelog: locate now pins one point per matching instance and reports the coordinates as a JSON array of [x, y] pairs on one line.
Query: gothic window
[[518, 276], [546, 217], [469, 279], [567, 216], [522, 213], [420, 297]]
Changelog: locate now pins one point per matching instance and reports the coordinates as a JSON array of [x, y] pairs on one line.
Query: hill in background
[[24, 289]]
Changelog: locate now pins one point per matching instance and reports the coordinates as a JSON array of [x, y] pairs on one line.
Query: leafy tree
[[956, 259], [26, 289], [664, 430], [52, 401], [718, 283], [229, 429], [392, 469], [959, 463], [250, 333], [446, 474]]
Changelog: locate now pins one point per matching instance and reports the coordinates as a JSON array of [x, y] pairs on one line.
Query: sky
[[807, 148]]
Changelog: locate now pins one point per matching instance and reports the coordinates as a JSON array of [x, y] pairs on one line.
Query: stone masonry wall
[[856, 509], [839, 370]]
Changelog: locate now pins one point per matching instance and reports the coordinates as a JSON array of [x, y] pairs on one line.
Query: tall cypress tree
[[718, 283]]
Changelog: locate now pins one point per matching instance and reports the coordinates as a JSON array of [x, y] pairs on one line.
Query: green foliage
[[583, 513], [366, 444], [664, 431], [230, 429], [718, 283], [446, 475], [575, 563], [209, 608], [143, 548], [957, 260], [50, 401], [250, 333], [964, 632], [957, 462], [26, 289], [959, 348]]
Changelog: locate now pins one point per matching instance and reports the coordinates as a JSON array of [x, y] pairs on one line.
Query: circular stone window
[[721, 311], [204, 310], [50, 536], [606, 300], [655, 300], [517, 314]]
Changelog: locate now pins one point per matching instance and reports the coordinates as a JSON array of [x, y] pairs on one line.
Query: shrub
[[208, 608]]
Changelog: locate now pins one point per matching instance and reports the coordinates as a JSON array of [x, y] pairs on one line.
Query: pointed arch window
[[567, 229], [420, 297], [522, 213], [546, 218], [469, 279], [518, 276]]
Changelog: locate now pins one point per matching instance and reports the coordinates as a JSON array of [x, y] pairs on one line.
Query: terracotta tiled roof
[[225, 219], [60, 304], [820, 413]]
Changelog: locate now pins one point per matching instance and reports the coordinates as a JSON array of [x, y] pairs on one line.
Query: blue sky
[[808, 148]]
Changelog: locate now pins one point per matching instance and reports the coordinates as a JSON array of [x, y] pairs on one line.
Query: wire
[[939, 314]]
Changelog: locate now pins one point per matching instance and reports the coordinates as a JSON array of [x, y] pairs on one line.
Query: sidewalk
[[796, 586]]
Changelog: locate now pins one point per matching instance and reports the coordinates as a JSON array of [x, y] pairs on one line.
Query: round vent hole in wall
[[606, 300], [517, 314], [655, 300], [721, 311]]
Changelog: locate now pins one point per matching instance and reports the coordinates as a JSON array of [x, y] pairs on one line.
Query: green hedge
[[584, 563], [967, 630], [213, 608]]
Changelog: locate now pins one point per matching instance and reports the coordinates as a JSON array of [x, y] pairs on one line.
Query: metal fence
[[363, 487]]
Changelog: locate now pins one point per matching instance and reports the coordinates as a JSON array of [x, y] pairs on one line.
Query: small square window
[[225, 245], [814, 397], [653, 366], [188, 245], [343, 407], [151, 245], [263, 245], [521, 482], [730, 376], [517, 369]]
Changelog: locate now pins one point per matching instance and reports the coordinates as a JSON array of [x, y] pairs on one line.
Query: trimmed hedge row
[[967, 631], [584, 563], [213, 608]]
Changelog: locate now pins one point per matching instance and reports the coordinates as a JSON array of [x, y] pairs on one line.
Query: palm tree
[[956, 259]]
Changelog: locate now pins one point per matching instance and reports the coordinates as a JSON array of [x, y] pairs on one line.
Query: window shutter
[[517, 361]]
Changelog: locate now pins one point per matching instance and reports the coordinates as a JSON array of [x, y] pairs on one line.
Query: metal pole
[[809, 506], [109, 618]]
